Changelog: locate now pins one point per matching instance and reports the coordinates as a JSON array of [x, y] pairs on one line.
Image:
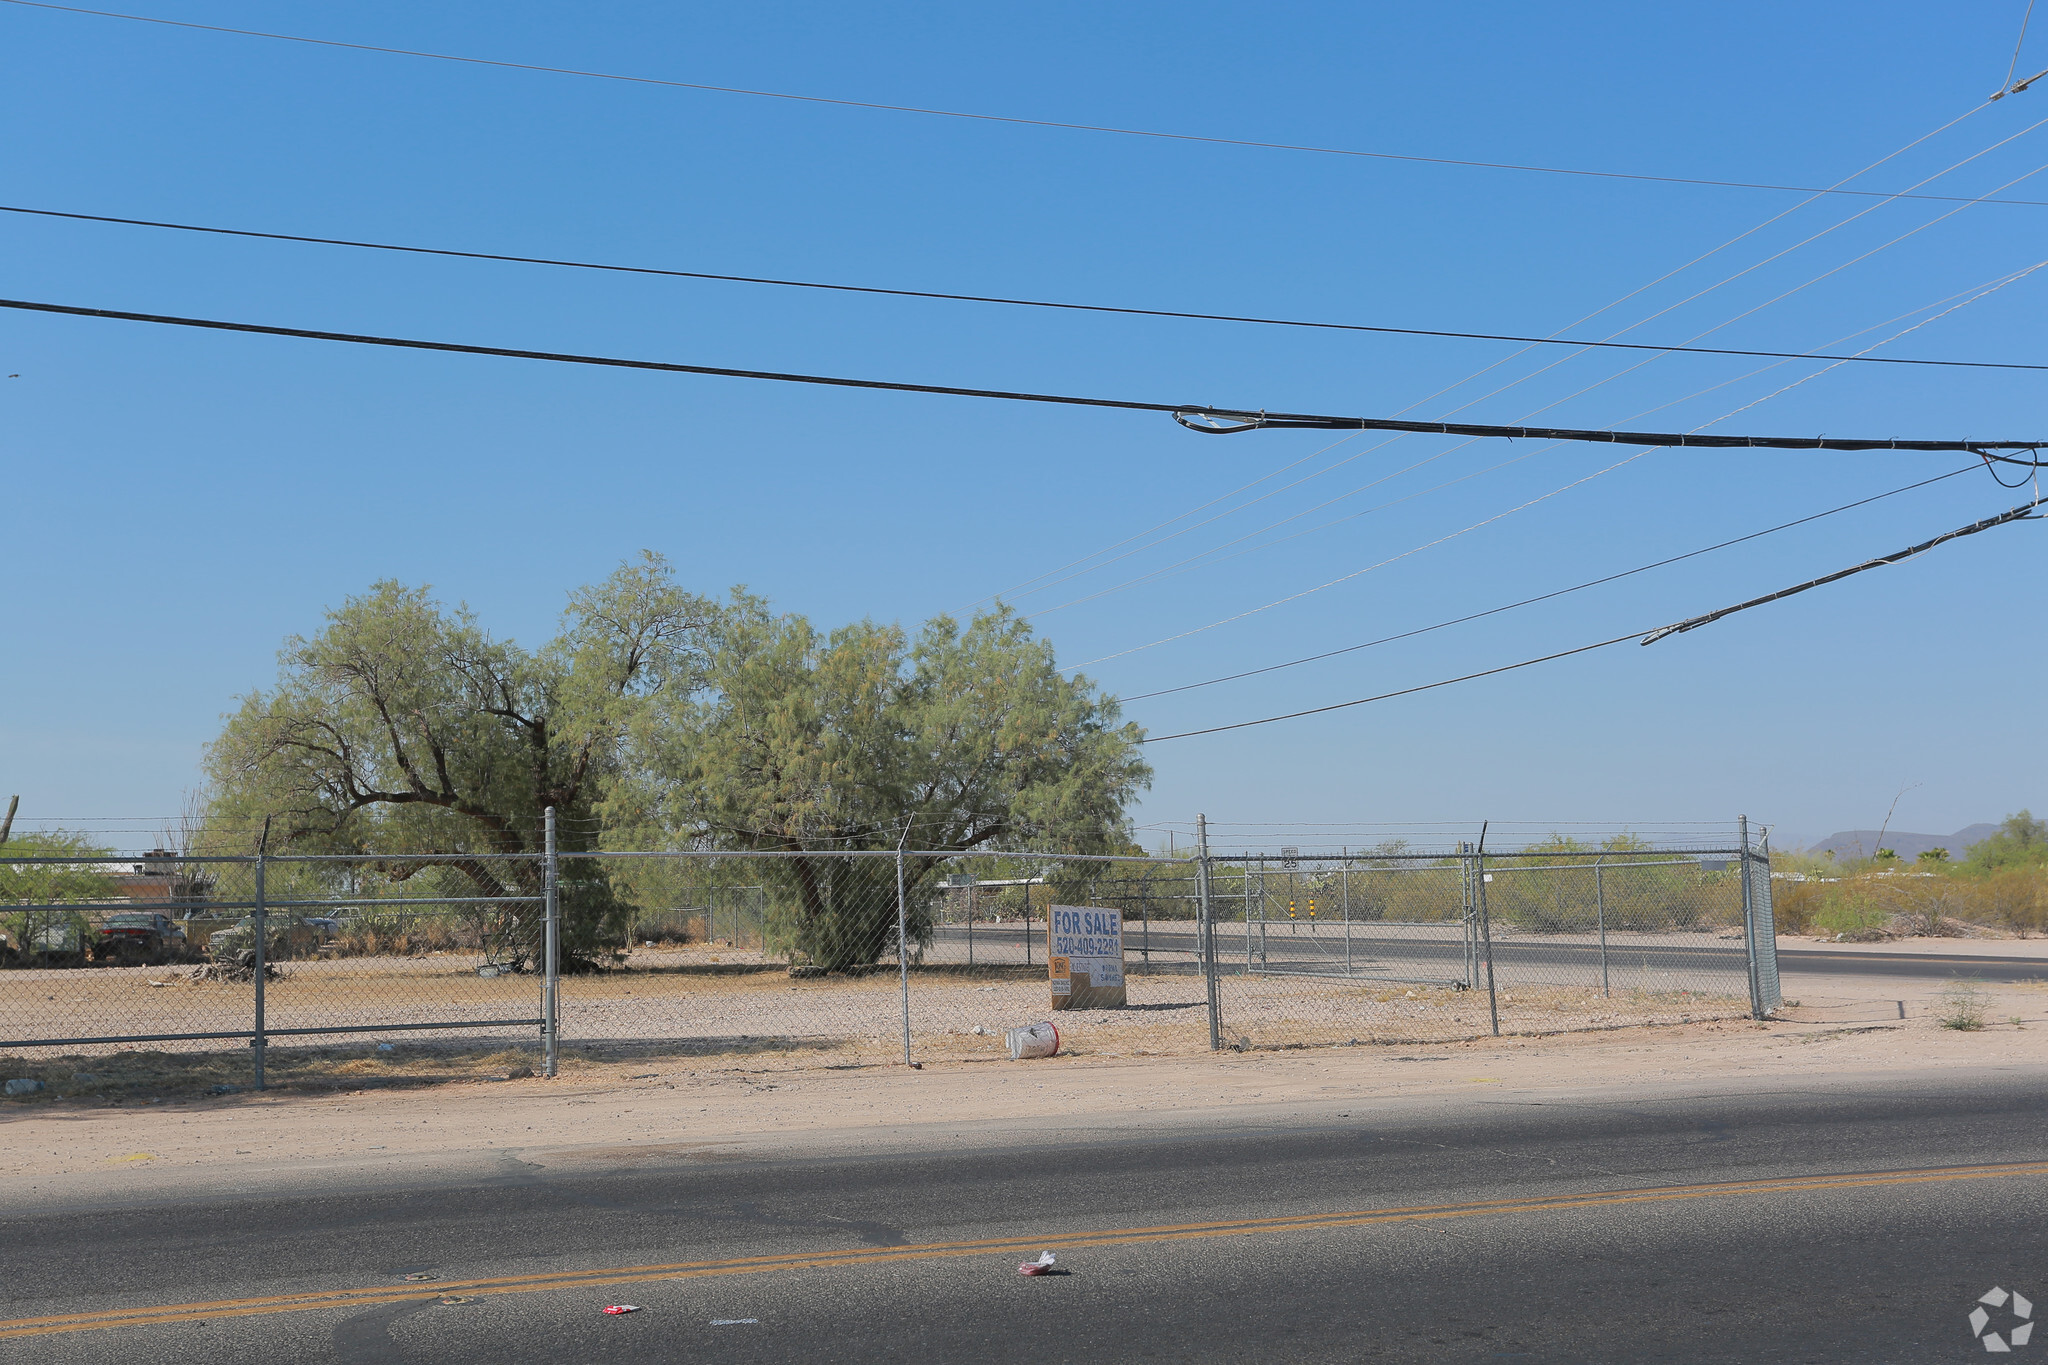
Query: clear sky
[[176, 503]]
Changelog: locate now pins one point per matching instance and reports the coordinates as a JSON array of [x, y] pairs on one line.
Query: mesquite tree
[[405, 728], [956, 742]]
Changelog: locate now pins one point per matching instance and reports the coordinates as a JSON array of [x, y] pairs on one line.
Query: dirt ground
[[625, 1100], [726, 1000]]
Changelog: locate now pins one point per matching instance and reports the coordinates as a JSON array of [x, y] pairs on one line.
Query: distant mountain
[[1862, 843]]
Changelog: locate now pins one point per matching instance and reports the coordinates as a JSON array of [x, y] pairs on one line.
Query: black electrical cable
[[1388, 696], [1011, 119], [1561, 592], [2024, 512], [2021, 482], [1227, 422], [1002, 299], [1235, 418]]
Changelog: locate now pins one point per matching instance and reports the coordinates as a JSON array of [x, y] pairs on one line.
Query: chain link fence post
[[1764, 941], [551, 966], [1600, 918], [1486, 932], [1208, 932], [1344, 874], [1759, 924], [1468, 917], [903, 943], [260, 918]]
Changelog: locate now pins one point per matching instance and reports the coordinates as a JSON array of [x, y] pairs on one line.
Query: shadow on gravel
[[145, 1076]]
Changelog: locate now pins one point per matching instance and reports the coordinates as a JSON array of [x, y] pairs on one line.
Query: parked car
[[45, 938], [139, 936]]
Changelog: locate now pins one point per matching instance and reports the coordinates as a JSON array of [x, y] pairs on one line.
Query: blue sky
[[176, 503]]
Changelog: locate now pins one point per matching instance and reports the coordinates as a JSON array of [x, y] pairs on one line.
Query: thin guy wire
[[1658, 633], [1989, 287], [1455, 534], [1992, 289], [943, 296], [1677, 270], [1016, 594], [1775, 256], [2025, 19], [1403, 692], [1370, 568], [1196, 559], [75, 9], [963, 114], [1545, 597], [1153, 575], [1629, 369], [1026, 588]]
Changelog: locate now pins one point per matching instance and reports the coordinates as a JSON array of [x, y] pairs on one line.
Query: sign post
[[1084, 949]]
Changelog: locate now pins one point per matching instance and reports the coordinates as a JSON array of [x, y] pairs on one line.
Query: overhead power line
[[2006, 87], [950, 297], [1058, 124], [1548, 596], [1220, 422], [1195, 417], [1559, 332], [1389, 696], [2025, 512], [2025, 470]]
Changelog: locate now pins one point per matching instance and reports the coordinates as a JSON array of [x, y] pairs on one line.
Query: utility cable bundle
[[1195, 417]]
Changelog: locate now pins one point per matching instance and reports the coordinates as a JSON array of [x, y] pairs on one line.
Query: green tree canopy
[[406, 728], [2021, 841], [90, 878], [959, 741]]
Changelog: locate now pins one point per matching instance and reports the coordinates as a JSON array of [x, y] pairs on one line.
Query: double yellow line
[[371, 1295]]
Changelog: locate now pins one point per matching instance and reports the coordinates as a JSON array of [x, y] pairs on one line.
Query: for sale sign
[[1084, 946]]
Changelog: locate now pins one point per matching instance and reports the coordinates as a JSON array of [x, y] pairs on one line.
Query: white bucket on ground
[[1033, 1040]]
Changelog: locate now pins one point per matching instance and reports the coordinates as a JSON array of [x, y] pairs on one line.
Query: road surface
[[1739, 1223], [1406, 952]]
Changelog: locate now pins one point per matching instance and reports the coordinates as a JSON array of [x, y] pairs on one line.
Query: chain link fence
[[1397, 945], [225, 973]]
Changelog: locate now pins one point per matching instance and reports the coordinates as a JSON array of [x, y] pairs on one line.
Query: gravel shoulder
[[2033, 949], [603, 1112]]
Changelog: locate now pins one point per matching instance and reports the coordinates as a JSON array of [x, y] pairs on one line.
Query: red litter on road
[[1041, 1266], [615, 1309]]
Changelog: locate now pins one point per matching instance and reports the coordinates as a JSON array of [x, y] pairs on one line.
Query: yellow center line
[[372, 1295]]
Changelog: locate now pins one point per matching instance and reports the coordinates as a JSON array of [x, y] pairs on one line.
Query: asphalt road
[[1390, 953], [1589, 1227]]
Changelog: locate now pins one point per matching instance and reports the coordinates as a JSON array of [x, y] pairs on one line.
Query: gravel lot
[[712, 1000]]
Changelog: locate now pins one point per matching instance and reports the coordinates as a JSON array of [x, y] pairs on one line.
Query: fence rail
[[858, 957]]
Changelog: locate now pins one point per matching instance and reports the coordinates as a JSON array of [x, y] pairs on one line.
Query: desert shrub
[[1794, 904], [400, 933], [1571, 898], [1841, 905], [1931, 905], [1962, 1005], [2014, 898], [1939, 901], [1850, 912]]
